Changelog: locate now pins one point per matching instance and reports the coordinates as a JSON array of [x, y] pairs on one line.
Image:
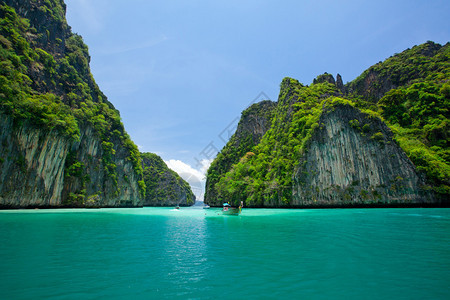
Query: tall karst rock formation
[[62, 143], [380, 140]]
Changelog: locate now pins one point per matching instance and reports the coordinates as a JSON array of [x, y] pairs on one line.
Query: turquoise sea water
[[162, 253]]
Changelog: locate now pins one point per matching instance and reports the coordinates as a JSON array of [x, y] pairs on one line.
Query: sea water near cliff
[[163, 253]]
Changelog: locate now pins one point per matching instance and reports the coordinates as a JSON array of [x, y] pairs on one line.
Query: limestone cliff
[[62, 143], [164, 186], [380, 140], [31, 165], [41, 168], [352, 160], [254, 123]]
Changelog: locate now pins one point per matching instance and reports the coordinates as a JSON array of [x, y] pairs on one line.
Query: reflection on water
[[184, 251]]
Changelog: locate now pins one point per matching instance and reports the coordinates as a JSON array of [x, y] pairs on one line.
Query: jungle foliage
[[238, 144], [264, 174], [55, 91], [163, 184], [410, 91]]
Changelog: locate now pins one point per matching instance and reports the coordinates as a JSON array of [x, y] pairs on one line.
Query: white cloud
[[195, 177], [185, 170], [205, 165]]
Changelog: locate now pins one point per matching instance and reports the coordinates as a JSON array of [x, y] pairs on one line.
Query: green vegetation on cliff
[[418, 115], [428, 61], [165, 186], [254, 123], [416, 106], [19, 62], [409, 91], [264, 175], [45, 80]]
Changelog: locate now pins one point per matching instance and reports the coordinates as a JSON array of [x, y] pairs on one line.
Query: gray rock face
[[324, 78], [352, 160], [254, 123], [34, 170], [372, 86], [32, 166], [340, 83]]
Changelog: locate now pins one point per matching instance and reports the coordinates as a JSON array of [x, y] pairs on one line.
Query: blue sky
[[181, 72]]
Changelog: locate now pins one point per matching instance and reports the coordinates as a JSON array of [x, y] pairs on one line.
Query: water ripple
[[196, 254]]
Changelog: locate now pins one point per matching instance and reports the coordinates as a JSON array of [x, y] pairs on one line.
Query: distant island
[[379, 140]]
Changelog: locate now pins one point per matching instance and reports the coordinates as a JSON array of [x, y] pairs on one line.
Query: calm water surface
[[162, 253]]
